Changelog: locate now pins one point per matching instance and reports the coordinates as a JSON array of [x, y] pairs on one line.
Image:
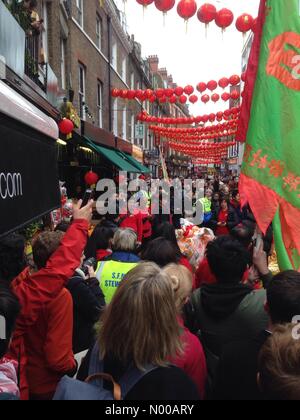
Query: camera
[[91, 262]]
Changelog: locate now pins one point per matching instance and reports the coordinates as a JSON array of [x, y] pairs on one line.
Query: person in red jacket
[[192, 361], [42, 341]]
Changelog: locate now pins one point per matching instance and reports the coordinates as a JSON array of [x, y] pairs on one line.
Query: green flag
[[270, 123]]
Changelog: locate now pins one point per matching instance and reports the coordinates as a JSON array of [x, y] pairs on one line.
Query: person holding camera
[[88, 302]]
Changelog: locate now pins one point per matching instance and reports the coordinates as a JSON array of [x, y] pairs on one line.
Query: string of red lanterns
[[219, 116], [206, 14], [172, 96]]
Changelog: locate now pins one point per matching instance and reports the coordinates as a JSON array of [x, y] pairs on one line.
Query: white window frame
[[114, 55], [79, 12], [124, 69], [115, 117], [99, 26], [100, 103], [82, 89], [63, 64], [124, 121], [132, 128], [132, 81]]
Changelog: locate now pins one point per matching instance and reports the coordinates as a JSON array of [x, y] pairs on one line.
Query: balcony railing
[[35, 68], [20, 44]]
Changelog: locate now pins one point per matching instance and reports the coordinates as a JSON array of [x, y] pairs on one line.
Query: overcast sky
[[190, 57]]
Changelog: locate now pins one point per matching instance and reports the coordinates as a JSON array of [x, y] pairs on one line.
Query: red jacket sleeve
[[58, 343], [40, 288]]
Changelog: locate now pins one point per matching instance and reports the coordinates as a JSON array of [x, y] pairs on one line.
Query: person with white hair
[[113, 269]]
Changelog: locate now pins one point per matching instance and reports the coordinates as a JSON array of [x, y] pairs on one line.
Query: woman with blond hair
[[192, 360], [140, 329]]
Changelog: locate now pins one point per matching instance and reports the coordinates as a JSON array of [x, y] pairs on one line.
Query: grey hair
[[125, 240]]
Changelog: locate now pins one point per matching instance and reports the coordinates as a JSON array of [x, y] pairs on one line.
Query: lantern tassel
[[206, 30], [186, 27], [164, 19]]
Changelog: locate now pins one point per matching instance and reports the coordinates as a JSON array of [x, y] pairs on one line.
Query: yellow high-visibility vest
[[110, 274]]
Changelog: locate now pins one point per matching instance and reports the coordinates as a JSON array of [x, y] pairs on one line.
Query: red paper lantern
[[139, 94], [149, 93], [244, 77], [212, 117], [123, 94], [152, 99], [145, 3], [220, 114], [194, 99], [244, 23], [164, 5], [201, 87], [235, 80], [212, 85], [235, 95], [187, 9], [224, 18], [163, 100], [183, 99], [254, 26], [91, 178], [224, 82], [66, 126], [225, 96], [169, 92], [179, 91], [189, 90], [207, 13], [215, 97], [115, 93], [160, 93], [205, 99], [173, 99], [131, 94]]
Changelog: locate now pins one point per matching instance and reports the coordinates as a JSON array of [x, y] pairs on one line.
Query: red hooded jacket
[[39, 293]]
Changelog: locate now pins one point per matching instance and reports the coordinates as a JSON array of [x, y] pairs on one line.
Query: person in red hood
[[139, 221], [42, 340]]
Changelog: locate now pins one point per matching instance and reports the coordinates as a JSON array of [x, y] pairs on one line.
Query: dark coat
[[88, 301], [232, 220]]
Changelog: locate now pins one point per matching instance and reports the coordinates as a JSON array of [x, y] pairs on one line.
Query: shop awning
[[142, 169], [116, 157]]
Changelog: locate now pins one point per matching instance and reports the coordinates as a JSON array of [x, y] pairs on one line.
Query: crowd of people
[[125, 313]]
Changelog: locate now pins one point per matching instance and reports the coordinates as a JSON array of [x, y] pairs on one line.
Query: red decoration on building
[[207, 13], [224, 18], [225, 96], [205, 99], [183, 99], [215, 97], [144, 3], [164, 5], [189, 90], [187, 9], [224, 82], [212, 85], [160, 93], [194, 99], [235, 80], [201, 87], [115, 93], [244, 23], [66, 126], [235, 95], [91, 178], [179, 91]]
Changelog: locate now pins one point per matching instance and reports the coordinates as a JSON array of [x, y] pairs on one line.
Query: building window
[[63, 63], [132, 128], [99, 32], [132, 81], [81, 91], [124, 134], [79, 12], [114, 56], [44, 32], [124, 69], [100, 103], [115, 117]]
